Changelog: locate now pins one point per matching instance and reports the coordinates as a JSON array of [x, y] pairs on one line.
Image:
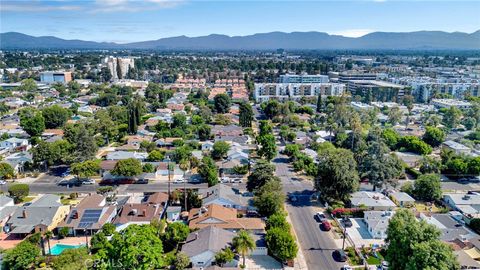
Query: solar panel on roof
[[89, 217]]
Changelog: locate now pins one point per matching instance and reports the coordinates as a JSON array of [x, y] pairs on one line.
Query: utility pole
[[344, 236], [169, 180]]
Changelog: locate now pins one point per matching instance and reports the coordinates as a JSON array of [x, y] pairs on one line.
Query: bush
[[18, 192], [63, 232]]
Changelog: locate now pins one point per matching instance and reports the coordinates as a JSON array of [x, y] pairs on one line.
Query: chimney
[[144, 212], [24, 213]]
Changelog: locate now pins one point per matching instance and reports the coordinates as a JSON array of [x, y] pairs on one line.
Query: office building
[[55, 77]]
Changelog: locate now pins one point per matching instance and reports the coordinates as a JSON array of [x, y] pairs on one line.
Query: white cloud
[[34, 6], [352, 32], [133, 5]]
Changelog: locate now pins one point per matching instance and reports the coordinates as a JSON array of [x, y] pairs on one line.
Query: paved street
[[316, 245]]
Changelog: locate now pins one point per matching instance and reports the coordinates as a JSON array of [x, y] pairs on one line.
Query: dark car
[[319, 217], [340, 255], [325, 225], [142, 181], [347, 222]]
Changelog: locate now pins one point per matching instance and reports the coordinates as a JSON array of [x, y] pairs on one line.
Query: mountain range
[[421, 40]]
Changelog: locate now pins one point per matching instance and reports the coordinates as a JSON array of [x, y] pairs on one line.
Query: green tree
[[262, 172], [246, 114], [155, 155], [319, 104], [391, 138], [243, 244], [281, 243], [265, 128], [72, 259], [220, 150], [268, 147], [181, 261], [469, 123], [179, 121], [21, 257], [203, 132], [222, 103], [337, 176], [394, 116], [451, 117], [269, 198], [32, 122], [427, 188], [434, 136], [82, 141], [405, 233], [224, 256], [137, 247], [108, 229], [175, 233], [18, 192], [415, 145], [55, 116], [475, 224], [86, 168], [430, 165], [134, 109], [208, 170], [28, 85], [379, 166], [6, 171], [271, 108], [278, 220], [127, 167], [148, 168]]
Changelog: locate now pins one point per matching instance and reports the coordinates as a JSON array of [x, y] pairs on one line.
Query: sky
[[125, 21]]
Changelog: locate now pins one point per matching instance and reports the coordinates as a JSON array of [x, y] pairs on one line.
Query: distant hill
[[421, 40]]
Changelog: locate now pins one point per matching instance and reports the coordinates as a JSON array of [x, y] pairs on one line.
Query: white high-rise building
[[122, 63], [295, 91]]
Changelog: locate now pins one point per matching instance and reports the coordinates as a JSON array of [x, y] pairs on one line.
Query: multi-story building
[[304, 78], [55, 76], [119, 66], [373, 90], [447, 103], [295, 91]]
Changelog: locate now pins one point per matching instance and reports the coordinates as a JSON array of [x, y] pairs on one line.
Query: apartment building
[[119, 66], [294, 91], [304, 78]]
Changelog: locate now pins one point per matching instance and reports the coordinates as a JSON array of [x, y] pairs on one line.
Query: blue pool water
[[57, 249]]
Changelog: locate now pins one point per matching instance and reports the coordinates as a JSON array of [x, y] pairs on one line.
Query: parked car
[[88, 182], [346, 267], [325, 226], [383, 266], [340, 255], [178, 181], [319, 217], [225, 180], [236, 180], [64, 182], [347, 222], [3, 182], [142, 181]]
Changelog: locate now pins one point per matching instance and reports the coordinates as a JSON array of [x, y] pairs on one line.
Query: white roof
[[463, 199], [371, 199]]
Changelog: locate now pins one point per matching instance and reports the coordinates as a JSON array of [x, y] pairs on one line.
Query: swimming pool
[[57, 249]]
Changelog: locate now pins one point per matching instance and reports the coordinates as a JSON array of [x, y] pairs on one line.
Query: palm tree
[[48, 236], [243, 244]]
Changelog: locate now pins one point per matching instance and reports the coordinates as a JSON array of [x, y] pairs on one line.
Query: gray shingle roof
[[209, 238]]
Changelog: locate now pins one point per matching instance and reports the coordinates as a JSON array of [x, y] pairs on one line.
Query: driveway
[[262, 262]]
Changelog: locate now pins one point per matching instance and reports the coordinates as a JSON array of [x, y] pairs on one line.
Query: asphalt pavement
[[317, 245]]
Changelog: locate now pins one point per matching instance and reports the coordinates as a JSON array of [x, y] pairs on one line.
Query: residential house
[[450, 227], [43, 214], [377, 223], [89, 215], [13, 144], [142, 212], [133, 142], [120, 155], [201, 246], [458, 148], [402, 199], [7, 208], [223, 217], [372, 201], [467, 204], [166, 142], [226, 196], [230, 130], [18, 160], [163, 173]]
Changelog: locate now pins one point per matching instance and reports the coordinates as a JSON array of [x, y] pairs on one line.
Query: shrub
[[18, 192]]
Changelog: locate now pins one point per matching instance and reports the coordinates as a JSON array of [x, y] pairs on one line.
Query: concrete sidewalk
[[300, 262]]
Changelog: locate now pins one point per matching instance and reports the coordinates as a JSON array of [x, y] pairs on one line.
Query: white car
[[178, 181], [225, 180], [3, 182], [236, 180], [346, 267], [88, 182]]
